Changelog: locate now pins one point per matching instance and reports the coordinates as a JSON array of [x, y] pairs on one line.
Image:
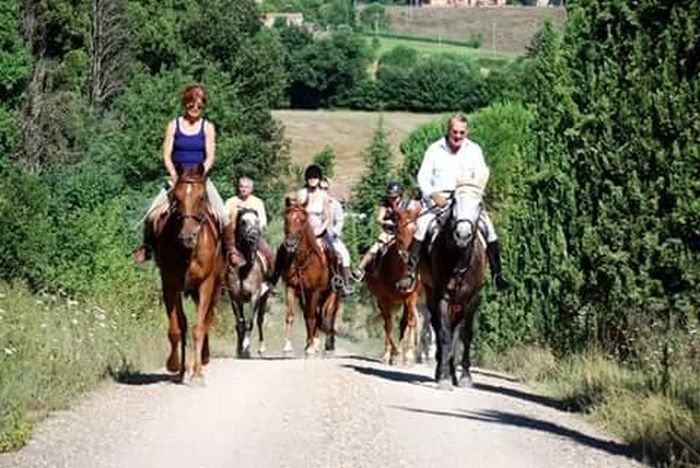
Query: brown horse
[[307, 277], [191, 263], [245, 283], [452, 273], [381, 280]]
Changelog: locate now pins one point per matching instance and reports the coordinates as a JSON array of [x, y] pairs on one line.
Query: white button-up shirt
[[441, 169]]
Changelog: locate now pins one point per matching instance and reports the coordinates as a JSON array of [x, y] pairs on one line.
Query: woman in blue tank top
[[189, 141]]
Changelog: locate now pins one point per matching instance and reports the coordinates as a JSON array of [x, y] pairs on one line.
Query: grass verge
[[662, 424]]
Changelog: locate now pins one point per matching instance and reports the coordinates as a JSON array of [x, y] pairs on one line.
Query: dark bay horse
[[191, 263], [381, 282], [308, 280], [245, 283], [452, 273]]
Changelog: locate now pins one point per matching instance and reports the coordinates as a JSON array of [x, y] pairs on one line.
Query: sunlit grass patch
[[53, 348]]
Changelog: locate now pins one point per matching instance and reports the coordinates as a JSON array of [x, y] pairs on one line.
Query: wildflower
[[71, 302], [74, 321], [9, 351]]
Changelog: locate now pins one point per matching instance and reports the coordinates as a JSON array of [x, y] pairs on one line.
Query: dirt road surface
[[346, 411]]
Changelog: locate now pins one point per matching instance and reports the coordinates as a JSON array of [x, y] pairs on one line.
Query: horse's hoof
[[288, 348], [310, 352], [329, 353], [262, 350], [409, 359], [197, 381], [465, 382], [386, 359], [444, 384], [244, 354]]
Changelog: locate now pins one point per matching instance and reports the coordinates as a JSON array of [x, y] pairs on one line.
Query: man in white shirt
[[445, 161]]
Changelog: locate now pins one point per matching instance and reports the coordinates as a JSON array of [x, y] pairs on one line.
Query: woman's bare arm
[[210, 147], [168, 150]]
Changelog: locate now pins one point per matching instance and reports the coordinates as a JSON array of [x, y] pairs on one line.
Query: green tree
[[326, 160], [369, 191]]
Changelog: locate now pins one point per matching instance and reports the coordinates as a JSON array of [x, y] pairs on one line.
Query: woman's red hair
[[192, 93]]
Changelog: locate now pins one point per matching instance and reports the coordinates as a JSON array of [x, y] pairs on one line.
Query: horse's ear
[[179, 169], [200, 170]]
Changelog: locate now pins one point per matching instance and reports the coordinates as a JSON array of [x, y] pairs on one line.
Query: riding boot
[[145, 251], [346, 289], [409, 280], [493, 251], [233, 256]]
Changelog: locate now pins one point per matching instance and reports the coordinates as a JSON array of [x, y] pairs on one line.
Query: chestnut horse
[[307, 277], [452, 273], [381, 278], [245, 283], [191, 263]]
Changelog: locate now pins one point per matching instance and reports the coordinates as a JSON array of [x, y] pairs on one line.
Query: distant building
[[463, 3], [297, 19]]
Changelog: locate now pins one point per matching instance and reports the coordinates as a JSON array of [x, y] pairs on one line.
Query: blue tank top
[[188, 150]]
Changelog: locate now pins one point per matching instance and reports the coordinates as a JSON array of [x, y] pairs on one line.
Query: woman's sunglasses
[[194, 105]]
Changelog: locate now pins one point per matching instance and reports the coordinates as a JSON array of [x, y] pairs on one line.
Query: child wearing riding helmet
[[387, 220]]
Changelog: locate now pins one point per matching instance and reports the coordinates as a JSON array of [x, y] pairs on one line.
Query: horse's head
[[466, 207], [188, 200], [405, 229], [295, 225], [248, 228]]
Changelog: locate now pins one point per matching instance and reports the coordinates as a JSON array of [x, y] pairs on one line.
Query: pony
[[381, 277], [307, 279], [244, 284], [452, 273], [191, 262]]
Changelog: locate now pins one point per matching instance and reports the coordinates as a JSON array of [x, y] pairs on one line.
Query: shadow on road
[[494, 375], [394, 376], [515, 393], [137, 378], [518, 420]]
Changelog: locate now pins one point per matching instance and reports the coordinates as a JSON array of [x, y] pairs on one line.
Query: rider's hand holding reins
[[439, 199]]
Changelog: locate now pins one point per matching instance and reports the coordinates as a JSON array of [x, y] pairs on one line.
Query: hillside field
[[503, 29], [348, 132], [432, 48]]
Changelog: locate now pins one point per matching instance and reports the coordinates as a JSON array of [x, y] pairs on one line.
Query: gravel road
[[346, 411]]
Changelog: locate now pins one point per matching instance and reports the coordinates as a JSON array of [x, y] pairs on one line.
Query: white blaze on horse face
[[250, 218], [466, 212], [189, 189]]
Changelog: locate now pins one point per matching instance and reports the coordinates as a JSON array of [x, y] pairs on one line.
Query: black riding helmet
[[314, 171], [394, 189]]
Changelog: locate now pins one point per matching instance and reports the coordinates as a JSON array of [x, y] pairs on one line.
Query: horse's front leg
[[330, 310], [239, 317], [389, 346], [205, 312], [445, 343], [177, 326], [261, 308], [410, 310], [290, 299], [310, 311], [467, 334]]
